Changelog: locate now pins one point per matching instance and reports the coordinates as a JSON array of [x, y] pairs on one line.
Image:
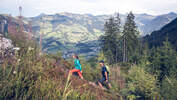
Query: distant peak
[[42, 14], [88, 14], [64, 13], [172, 13], [144, 14], [67, 13]]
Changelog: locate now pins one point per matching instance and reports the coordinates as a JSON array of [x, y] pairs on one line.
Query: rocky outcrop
[[6, 48]]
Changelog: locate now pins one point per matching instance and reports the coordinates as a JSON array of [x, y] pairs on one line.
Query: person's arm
[[106, 74], [80, 68]]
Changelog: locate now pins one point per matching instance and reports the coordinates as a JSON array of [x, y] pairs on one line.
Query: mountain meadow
[[140, 51]]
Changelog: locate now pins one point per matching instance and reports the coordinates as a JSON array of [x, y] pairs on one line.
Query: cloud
[[96, 7]]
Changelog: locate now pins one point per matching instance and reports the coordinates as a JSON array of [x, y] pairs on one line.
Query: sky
[[96, 7]]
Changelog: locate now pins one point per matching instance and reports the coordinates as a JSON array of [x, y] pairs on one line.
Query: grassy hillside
[[30, 75]]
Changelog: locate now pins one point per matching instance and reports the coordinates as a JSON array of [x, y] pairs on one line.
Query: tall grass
[[29, 77], [67, 86]]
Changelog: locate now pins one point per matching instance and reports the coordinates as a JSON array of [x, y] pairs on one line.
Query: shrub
[[140, 85], [169, 88]]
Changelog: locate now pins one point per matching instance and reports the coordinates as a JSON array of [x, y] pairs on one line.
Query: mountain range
[[68, 32]]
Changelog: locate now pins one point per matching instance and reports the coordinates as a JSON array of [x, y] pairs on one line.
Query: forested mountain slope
[[169, 32]]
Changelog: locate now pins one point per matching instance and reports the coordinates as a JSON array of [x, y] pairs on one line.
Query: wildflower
[[14, 72], [30, 48], [19, 60], [16, 48]]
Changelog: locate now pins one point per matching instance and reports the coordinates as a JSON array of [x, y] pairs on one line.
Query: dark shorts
[[103, 80]]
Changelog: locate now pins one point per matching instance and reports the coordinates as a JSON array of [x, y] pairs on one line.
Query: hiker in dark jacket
[[105, 75]]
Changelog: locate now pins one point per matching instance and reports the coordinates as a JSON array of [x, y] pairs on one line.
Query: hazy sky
[[96, 7]]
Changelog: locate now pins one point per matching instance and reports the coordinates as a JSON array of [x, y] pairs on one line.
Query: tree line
[[120, 44], [124, 44]]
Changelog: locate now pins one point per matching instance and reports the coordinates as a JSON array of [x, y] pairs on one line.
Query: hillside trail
[[82, 84], [66, 71]]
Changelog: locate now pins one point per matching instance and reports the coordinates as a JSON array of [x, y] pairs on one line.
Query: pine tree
[[130, 39], [164, 61], [144, 54], [109, 41]]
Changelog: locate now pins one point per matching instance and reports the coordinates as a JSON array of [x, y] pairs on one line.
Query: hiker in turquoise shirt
[[77, 65]]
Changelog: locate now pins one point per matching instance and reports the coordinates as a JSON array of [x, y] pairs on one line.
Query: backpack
[[108, 69]]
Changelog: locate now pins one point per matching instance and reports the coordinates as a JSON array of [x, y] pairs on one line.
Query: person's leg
[[72, 71], [100, 82], [109, 85], [80, 74], [101, 86], [78, 71]]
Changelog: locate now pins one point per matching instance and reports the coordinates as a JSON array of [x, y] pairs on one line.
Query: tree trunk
[[126, 54], [116, 55], [124, 50]]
